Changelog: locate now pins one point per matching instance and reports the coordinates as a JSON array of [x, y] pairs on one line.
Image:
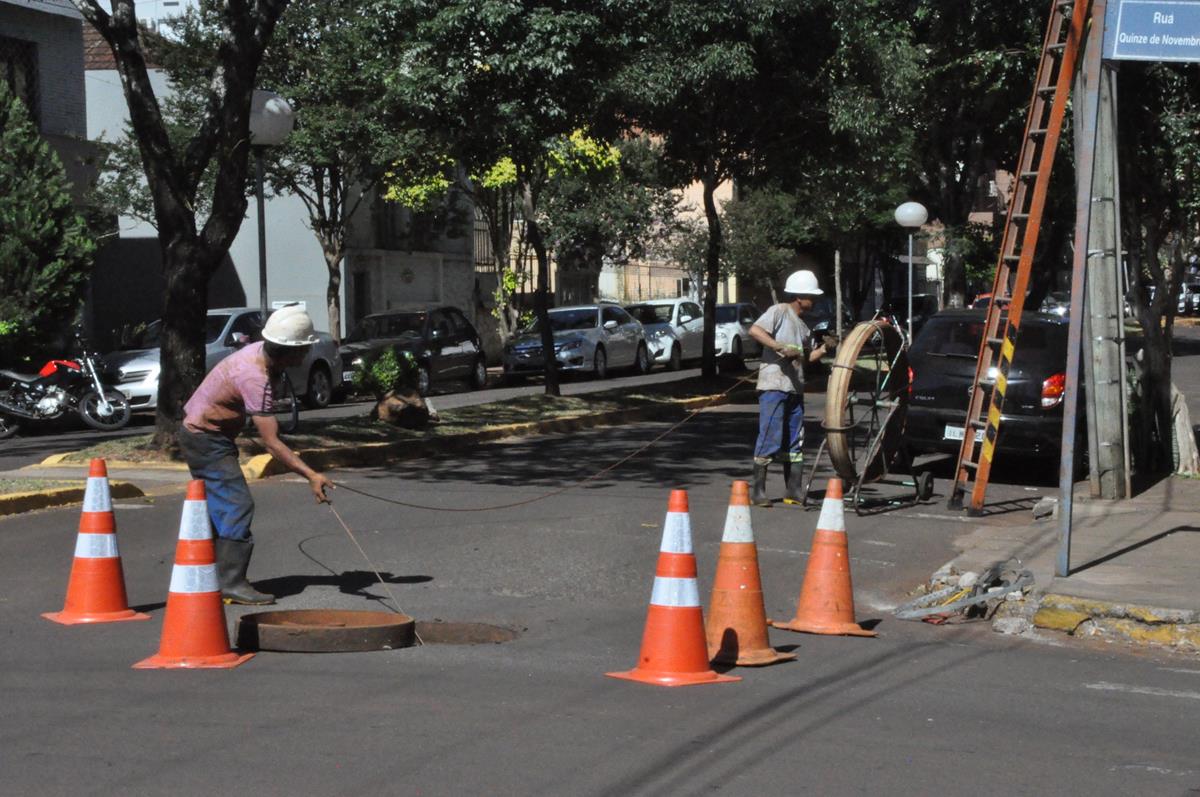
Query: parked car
[[733, 329], [674, 329], [942, 362], [445, 344], [591, 338], [1189, 299], [924, 305], [820, 319], [134, 370]]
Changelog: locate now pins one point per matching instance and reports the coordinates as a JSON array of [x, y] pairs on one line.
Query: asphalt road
[[919, 710]]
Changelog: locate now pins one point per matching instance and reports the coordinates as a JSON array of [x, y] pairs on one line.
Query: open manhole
[[324, 631], [337, 631]]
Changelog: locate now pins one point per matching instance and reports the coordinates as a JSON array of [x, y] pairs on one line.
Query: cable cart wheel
[[866, 403]]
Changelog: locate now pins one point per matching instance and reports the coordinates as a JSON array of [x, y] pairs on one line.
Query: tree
[[504, 83], [45, 249], [764, 231], [191, 251], [1159, 153], [606, 204]]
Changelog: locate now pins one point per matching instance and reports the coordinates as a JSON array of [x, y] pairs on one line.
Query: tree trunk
[[333, 294], [181, 355], [542, 297], [712, 263]]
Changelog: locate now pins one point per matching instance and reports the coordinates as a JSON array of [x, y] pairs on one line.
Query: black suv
[[943, 359], [444, 343]]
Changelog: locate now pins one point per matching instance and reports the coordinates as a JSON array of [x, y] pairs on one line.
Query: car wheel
[[600, 363], [641, 363], [479, 374], [423, 380], [676, 361], [320, 388]]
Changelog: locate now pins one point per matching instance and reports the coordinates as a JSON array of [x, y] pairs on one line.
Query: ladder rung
[[1065, 6], [1029, 175], [977, 424], [1057, 49], [1012, 258], [997, 342], [1020, 217], [1046, 91], [1038, 133], [969, 465]]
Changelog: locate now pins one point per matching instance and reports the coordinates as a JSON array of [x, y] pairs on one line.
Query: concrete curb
[[1133, 623], [372, 454], [16, 503]]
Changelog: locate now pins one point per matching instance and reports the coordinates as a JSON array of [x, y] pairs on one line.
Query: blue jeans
[[780, 425], [214, 458]]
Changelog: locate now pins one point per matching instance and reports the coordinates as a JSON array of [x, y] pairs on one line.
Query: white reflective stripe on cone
[[677, 533], [833, 517], [97, 498], [194, 578], [96, 546], [682, 592], [193, 524], [737, 525]]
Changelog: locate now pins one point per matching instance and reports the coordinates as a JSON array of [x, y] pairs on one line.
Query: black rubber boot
[[793, 475], [758, 488], [233, 558]]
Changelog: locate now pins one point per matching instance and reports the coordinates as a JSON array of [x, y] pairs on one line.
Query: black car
[[942, 360], [445, 344]]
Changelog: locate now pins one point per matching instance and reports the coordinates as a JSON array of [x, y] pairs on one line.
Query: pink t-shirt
[[237, 387]]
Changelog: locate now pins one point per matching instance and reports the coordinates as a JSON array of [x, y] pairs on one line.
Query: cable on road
[[560, 490]]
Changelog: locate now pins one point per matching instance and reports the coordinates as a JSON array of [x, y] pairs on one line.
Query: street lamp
[[911, 215], [271, 120]]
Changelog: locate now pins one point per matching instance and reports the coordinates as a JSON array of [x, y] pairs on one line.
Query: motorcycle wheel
[[8, 427], [90, 410]]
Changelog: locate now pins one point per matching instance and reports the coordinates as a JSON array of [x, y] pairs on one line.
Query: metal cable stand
[[866, 403]]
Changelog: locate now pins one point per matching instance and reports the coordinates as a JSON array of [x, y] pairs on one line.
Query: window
[[747, 314], [461, 325], [683, 287], [692, 309], [246, 324], [18, 68], [651, 313], [441, 323], [566, 320], [614, 314]]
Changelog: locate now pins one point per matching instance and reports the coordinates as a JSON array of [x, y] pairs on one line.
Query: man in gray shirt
[[783, 336]]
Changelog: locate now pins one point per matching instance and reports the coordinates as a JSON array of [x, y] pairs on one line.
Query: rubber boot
[[758, 490], [233, 558], [793, 476]]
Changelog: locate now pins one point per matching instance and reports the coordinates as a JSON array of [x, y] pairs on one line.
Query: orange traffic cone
[[673, 649], [96, 589], [737, 618], [826, 604], [194, 632]]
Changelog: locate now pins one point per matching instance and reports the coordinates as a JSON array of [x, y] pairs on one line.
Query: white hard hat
[[290, 326], [803, 283]]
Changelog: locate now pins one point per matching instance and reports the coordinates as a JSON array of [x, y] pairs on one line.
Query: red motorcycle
[[61, 386]]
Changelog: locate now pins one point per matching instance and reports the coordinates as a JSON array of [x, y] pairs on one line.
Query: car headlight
[[571, 345], [722, 334]]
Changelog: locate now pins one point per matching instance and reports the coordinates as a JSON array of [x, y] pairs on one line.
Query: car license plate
[[956, 433], [347, 376]]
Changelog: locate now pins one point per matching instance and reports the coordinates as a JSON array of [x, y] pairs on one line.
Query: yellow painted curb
[[1137, 624], [16, 503], [57, 461]]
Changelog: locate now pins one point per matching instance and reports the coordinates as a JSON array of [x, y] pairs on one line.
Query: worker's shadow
[[350, 582]]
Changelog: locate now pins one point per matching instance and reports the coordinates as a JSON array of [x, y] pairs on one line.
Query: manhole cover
[[442, 633], [324, 631]]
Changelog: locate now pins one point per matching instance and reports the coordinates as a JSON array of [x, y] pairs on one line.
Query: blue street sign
[[1152, 30]]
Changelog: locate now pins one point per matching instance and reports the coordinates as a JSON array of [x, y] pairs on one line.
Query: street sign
[[1152, 30]]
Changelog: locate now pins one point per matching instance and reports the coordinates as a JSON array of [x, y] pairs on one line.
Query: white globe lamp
[[911, 215], [271, 120]]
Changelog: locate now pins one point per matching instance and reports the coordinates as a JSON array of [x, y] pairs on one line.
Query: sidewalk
[[1134, 565]]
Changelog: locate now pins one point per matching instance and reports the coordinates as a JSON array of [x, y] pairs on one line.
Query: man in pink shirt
[[240, 387]]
